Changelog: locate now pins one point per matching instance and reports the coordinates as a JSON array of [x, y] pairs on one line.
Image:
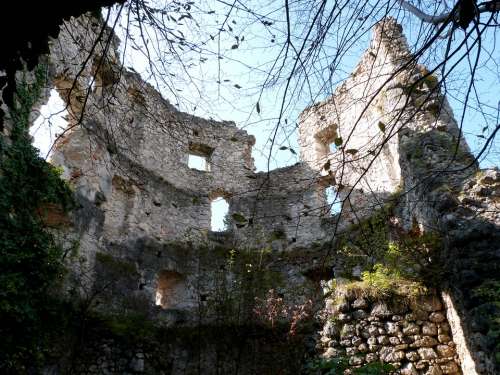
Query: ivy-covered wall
[[31, 261]]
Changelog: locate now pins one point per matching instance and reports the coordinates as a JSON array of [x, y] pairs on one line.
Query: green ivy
[[30, 259]]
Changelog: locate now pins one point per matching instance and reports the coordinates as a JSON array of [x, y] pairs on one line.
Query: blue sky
[[248, 49], [229, 87]]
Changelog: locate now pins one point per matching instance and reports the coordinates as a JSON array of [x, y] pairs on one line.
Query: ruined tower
[[386, 137]]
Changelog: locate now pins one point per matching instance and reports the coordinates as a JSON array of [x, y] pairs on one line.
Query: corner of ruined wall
[[445, 192], [434, 163], [467, 362], [472, 224]]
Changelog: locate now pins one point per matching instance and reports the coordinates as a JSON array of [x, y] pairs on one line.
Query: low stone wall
[[414, 337], [212, 350]]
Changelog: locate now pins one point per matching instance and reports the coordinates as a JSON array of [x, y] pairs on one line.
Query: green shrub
[[394, 261], [381, 283]]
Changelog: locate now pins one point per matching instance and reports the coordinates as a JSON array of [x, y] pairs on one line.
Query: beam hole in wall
[[199, 157], [334, 204], [171, 289], [51, 122], [219, 209]]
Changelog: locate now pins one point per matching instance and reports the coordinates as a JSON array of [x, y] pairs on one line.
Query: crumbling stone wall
[[131, 158], [361, 118], [126, 154]]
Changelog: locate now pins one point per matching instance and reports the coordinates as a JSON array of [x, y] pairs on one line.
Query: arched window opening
[[51, 122], [327, 141], [171, 290], [219, 209], [334, 204]]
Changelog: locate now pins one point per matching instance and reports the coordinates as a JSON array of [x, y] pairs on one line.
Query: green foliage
[[488, 298], [26, 97], [381, 278], [128, 326], [431, 81], [417, 257], [337, 366], [382, 283], [489, 290], [369, 238], [332, 366], [395, 262], [250, 278], [374, 368], [30, 260]]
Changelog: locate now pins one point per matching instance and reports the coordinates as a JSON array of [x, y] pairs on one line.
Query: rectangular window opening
[[219, 209], [334, 204]]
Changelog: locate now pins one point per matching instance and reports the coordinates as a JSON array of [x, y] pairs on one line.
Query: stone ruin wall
[[376, 112], [142, 205], [122, 147], [413, 336], [128, 163]]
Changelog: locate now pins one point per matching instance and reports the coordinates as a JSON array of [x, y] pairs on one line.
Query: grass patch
[[381, 284]]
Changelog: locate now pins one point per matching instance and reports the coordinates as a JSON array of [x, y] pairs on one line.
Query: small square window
[[199, 156], [198, 162]]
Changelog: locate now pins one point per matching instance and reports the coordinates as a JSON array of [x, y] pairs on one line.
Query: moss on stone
[[118, 267]]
